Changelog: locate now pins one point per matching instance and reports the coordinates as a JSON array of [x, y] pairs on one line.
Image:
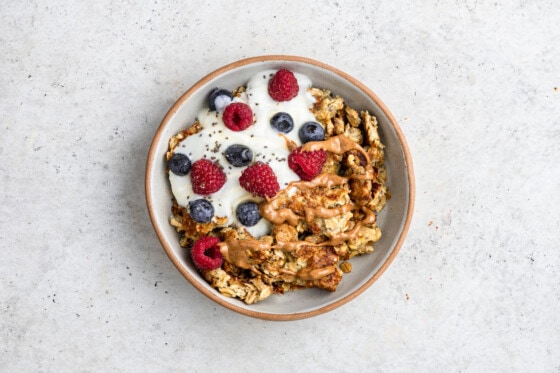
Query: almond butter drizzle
[[338, 144], [235, 251], [290, 144], [369, 219], [324, 212], [307, 274], [276, 215]]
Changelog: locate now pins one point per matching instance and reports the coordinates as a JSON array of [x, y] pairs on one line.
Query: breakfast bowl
[[356, 271]]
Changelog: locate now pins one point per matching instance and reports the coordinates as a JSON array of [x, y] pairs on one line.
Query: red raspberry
[[260, 180], [283, 86], [238, 116], [206, 177], [206, 254], [307, 164]]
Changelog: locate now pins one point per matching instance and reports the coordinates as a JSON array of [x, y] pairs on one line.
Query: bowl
[[393, 221]]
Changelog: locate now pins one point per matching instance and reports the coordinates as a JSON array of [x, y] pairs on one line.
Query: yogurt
[[266, 143]]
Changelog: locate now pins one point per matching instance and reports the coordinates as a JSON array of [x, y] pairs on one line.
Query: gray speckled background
[[85, 284]]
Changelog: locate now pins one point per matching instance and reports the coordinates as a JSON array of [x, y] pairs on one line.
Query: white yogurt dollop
[[264, 140]]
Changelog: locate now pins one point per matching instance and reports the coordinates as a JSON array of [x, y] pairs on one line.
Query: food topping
[[260, 180], [201, 210], [218, 99], [283, 86], [206, 177], [248, 213], [307, 164], [179, 164], [206, 253], [238, 116], [239, 155], [311, 131], [283, 122]]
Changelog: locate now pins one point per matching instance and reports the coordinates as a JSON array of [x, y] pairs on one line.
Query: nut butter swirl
[[338, 144], [236, 251]]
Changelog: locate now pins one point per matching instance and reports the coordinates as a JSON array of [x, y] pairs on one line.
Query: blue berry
[[218, 99], [283, 122], [248, 213], [238, 155], [201, 210], [311, 131], [179, 164]]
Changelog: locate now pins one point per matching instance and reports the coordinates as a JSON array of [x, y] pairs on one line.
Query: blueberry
[[201, 210], [283, 122], [218, 99], [311, 131], [248, 213], [179, 164], [238, 155]]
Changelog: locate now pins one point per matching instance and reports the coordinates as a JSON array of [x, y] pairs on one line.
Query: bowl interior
[[393, 220]]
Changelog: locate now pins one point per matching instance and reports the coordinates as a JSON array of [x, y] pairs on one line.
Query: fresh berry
[[283, 86], [201, 210], [307, 165], [206, 254], [248, 213], [238, 155], [283, 122], [260, 180], [179, 164], [206, 177], [311, 131], [218, 99], [238, 116]]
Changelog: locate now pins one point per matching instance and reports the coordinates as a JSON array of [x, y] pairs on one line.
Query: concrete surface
[[85, 285]]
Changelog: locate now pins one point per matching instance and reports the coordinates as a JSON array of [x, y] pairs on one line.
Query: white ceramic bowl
[[393, 220]]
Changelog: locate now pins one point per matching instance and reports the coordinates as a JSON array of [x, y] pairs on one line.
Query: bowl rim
[[213, 295]]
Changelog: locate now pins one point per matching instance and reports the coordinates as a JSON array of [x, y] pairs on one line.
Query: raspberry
[[206, 254], [206, 177], [238, 116], [260, 180], [283, 86], [307, 164]]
